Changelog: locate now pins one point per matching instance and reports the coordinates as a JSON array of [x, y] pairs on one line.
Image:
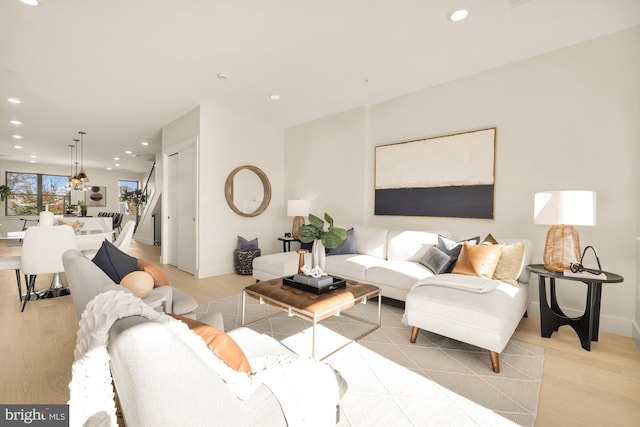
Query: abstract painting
[[96, 196], [444, 176]]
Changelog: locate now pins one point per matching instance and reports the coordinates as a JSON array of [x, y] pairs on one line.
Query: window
[[128, 199], [32, 193]]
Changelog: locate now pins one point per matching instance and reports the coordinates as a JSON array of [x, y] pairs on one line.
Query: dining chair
[[42, 254], [12, 263], [123, 242]]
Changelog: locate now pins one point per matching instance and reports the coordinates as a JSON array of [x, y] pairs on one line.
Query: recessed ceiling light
[[18, 147], [17, 136], [15, 122], [30, 2], [32, 161], [458, 14], [116, 158], [144, 143], [117, 164], [108, 169], [33, 156], [13, 100], [128, 152], [274, 97]]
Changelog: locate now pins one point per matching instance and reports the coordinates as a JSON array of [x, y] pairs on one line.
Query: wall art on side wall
[[444, 176], [96, 196]]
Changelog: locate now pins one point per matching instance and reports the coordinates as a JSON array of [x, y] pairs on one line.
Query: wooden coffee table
[[313, 307]]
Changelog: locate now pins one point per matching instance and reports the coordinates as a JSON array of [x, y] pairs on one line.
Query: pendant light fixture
[[71, 183], [77, 184], [82, 176]]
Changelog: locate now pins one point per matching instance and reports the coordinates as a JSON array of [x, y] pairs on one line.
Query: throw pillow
[[489, 240], [436, 260], [159, 278], [347, 247], [478, 260], [246, 245], [115, 263], [453, 248], [221, 344], [510, 264], [138, 282]]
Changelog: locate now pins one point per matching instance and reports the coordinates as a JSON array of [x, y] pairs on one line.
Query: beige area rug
[[455, 385]]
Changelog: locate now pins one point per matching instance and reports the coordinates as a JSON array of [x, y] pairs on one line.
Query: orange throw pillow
[[159, 278], [221, 344], [478, 260]]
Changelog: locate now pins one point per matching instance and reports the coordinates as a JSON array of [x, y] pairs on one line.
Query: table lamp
[[298, 209], [563, 210]]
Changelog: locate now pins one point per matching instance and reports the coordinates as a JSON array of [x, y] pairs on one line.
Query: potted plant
[[315, 232], [5, 191], [83, 209], [133, 197]]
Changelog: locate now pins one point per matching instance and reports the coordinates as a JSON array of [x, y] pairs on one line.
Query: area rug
[[454, 386]]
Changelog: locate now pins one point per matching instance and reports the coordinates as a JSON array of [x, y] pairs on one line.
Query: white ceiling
[[122, 69]]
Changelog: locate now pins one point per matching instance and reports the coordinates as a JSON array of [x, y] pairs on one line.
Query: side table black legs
[[552, 317]]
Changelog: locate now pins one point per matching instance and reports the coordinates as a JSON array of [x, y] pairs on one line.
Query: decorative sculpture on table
[[330, 238]]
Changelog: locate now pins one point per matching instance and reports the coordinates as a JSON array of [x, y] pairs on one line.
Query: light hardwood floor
[[579, 388]]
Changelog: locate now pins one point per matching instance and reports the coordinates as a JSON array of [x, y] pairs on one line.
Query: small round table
[[552, 317]]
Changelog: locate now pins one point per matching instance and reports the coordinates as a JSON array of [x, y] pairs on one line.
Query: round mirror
[[247, 190]]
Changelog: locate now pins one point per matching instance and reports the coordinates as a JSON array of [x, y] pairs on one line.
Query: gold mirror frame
[[266, 185]]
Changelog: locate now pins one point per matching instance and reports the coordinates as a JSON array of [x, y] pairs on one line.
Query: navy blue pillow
[[347, 247], [115, 263]]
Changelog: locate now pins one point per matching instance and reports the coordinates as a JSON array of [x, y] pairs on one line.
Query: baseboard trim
[[144, 240], [611, 324]]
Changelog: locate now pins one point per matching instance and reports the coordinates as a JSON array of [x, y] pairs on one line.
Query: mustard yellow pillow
[[478, 260]]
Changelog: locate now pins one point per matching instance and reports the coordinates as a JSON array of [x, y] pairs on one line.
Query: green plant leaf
[[331, 239], [308, 233], [329, 220], [316, 222]]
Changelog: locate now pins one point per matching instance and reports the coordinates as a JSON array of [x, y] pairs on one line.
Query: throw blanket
[[91, 400], [463, 282]]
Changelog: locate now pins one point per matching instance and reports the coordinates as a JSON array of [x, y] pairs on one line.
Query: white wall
[[318, 157], [566, 120], [227, 140], [100, 177]]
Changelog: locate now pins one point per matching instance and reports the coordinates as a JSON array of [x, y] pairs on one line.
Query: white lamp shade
[[573, 207], [298, 207]]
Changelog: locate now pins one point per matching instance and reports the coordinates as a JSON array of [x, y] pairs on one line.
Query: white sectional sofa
[[391, 259]]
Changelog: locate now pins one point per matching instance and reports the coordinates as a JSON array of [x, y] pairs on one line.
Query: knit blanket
[[288, 377]]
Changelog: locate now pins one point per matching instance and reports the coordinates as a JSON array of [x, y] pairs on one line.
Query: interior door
[[173, 173], [186, 192]]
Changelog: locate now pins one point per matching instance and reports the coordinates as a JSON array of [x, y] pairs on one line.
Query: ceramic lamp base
[[561, 248]]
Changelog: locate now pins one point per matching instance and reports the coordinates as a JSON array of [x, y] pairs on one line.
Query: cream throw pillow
[[510, 264]]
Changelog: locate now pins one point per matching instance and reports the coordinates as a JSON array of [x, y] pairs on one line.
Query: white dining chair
[[123, 242], [42, 254]]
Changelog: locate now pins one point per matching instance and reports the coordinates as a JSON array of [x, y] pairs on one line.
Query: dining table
[[88, 241]]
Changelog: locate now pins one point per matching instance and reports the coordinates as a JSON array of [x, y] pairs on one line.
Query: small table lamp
[[562, 210], [298, 209]]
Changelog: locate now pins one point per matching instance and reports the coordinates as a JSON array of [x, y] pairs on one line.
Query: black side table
[[286, 243], [552, 317]]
